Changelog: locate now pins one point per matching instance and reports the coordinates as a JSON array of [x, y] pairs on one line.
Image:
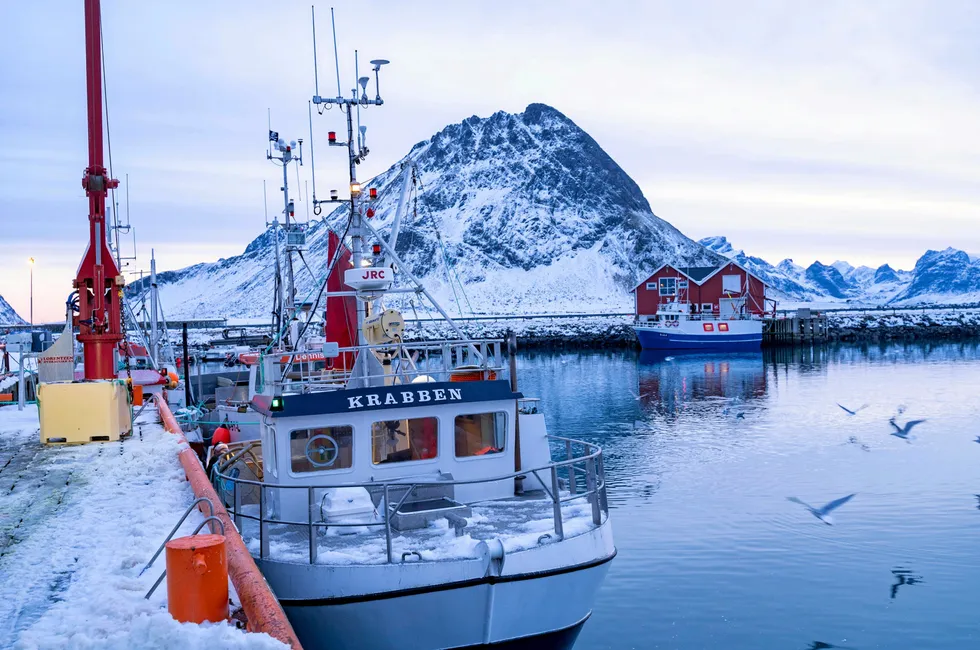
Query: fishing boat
[[677, 327], [404, 493]]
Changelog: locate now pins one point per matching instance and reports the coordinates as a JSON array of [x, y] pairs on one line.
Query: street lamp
[[30, 260]]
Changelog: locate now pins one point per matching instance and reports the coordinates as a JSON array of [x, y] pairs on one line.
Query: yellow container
[[79, 412]]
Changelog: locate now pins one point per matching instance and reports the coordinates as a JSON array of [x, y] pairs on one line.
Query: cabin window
[[395, 441], [321, 449], [731, 283], [706, 307], [722, 327], [682, 284], [651, 286], [709, 327], [668, 286], [481, 434]]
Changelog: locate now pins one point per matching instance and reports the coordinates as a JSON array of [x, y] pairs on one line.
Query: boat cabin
[[727, 291]]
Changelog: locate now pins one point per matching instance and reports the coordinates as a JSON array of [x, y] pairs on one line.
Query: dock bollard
[[197, 579]]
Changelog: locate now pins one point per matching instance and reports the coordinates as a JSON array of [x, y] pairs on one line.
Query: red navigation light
[[376, 249], [370, 212], [373, 192], [288, 148], [332, 137]]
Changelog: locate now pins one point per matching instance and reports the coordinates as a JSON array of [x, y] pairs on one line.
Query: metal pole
[[512, 359], [32, 294], [187, 383], [154, 331], [20, 380], [556, 496], [336, 61]]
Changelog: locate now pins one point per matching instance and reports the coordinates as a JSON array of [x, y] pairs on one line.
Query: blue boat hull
[[668, 340]]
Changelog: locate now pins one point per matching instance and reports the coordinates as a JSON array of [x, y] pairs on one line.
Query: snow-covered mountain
[[949, 276], [525, 210], [7, 314]]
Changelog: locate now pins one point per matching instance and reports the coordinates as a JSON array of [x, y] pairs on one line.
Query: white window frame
[[707, 307], [338, 470], [726, 283], [503, 450], [663, 281], [681, 284], [651, 286]]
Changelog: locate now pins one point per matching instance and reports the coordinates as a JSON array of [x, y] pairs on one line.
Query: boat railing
[[405, 362], [579, 476]]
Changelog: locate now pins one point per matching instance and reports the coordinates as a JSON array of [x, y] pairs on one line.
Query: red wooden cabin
[[724, 291]]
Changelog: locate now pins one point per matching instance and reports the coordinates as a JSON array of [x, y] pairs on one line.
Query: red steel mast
[[98, 280]]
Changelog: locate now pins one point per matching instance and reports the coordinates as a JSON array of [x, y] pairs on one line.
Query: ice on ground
[[77, 524]]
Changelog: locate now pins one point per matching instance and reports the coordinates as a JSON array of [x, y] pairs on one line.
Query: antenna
[[377, 63], [309, 109], [336, 61], [316, 77], [265, 204], [269, 122], [127, 201], [360, 145], [306, 185]]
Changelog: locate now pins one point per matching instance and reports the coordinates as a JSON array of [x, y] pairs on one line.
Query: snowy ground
[[77, 523]]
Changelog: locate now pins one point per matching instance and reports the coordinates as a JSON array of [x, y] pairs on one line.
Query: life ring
[[331, 446]]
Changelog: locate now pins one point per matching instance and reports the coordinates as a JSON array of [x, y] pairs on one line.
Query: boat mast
[[295, 234], [357, 151]]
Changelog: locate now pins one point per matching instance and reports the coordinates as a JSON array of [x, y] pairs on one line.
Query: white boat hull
[[528, 606]]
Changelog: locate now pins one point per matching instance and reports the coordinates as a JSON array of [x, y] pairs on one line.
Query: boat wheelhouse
[[427, 498]]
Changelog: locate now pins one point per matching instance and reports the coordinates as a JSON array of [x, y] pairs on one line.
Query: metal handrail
[[594, 493]]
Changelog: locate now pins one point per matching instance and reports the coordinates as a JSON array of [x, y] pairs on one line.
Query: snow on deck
[[519, 524], [77, 523]]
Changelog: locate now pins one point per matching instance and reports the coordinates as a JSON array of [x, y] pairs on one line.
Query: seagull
[[852, 411], [903, 432], [977, 440], [638, 396], [978, 500], [903, 577], [823, 514], [740, 414], [668, 358]]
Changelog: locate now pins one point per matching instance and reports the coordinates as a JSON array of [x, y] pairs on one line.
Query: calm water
[[712, 555]]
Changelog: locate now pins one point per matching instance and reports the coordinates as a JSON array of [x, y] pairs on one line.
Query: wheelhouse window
[[482, 434], [321, 449], [706, 307], [668, 286], [395, 441]]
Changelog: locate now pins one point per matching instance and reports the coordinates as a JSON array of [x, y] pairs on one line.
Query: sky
[[840, 129]]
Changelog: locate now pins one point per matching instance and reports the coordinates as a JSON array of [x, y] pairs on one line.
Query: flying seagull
[[740, 414], [852, 411], [638, 396], [903, 432], [903, 577], [823, 514], [978, 439]]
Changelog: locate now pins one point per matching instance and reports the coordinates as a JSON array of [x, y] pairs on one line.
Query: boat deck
[[519, 523]]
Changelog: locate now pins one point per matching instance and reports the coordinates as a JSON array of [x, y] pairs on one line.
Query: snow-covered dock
[[77, 523]]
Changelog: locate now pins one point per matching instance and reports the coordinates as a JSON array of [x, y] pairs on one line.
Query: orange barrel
[[197, 579]]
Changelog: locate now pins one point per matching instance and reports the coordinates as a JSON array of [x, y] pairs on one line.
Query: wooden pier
[[804, 327]]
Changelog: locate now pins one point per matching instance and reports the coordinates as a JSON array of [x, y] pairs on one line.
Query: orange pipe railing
[[263, 610]]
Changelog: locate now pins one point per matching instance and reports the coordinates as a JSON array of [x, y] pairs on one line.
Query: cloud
[[838, 119]]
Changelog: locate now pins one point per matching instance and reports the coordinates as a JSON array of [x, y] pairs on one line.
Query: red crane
[[98, 281]]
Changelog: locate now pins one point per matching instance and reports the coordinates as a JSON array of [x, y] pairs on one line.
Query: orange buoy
[[221, 434], [173, 379], [197, 579]]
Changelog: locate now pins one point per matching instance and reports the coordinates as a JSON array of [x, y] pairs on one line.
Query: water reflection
[[669, 385]]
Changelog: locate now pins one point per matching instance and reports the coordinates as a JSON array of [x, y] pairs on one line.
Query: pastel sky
[[841, 129]]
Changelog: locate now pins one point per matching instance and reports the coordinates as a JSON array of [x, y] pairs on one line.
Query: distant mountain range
[[949, 276], [7, 314], [525, 213]]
